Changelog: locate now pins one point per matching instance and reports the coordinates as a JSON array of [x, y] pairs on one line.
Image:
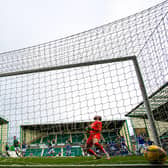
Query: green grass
[[73, 160], [60, 161]]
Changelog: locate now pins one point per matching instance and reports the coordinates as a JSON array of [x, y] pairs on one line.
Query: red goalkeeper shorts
[[91, 137]]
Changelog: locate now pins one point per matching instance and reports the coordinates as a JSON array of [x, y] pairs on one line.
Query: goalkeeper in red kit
[[95, 134]]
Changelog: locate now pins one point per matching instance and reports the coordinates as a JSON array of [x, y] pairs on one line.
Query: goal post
[[118, 71], [147, 103], [132, 59], [105, 61]]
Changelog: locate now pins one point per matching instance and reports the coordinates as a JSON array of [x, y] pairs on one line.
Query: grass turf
[[60, 161], [73, 160]]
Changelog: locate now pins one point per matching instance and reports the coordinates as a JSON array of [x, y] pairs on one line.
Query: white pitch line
[[3, 160], [90, 165]]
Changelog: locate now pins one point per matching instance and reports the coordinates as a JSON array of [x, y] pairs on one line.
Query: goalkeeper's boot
[[107, 156]]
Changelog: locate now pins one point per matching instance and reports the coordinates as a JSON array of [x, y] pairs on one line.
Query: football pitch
[[116, 161]]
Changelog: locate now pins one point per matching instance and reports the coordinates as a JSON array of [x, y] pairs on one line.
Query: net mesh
[[77, 94], [70, 95]]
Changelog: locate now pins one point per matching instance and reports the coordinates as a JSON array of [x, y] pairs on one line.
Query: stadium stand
[[36, 141], [77, 138], [62, 138], [75, 151], [49, 137], [33, 152], [109, 136], [57, 150], [65, 137]]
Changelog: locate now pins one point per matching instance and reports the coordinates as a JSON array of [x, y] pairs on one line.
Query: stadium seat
[[75, 151], [109, 136], [49, 137], [77, 138], [57, 150], [59, 138], [62, 138], [33, 152]]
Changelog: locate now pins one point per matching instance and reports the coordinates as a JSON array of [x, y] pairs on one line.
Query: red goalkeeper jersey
[[96, 127], [95, 132]]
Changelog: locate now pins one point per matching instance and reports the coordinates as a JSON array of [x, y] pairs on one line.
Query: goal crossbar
[[45, 69]]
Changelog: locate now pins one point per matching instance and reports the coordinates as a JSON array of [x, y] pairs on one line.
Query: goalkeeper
[[95, 134]]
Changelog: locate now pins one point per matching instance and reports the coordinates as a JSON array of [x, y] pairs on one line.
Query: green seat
[[62, 138], [65, 137], [77, 138], [49, 137], [57, 150], [109, 136], [59, 138], [33, 152], [76, 151]]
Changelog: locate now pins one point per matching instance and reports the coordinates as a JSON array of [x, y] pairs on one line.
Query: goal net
[[53, 90]]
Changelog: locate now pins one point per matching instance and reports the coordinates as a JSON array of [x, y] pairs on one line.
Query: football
[[155, 154]]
